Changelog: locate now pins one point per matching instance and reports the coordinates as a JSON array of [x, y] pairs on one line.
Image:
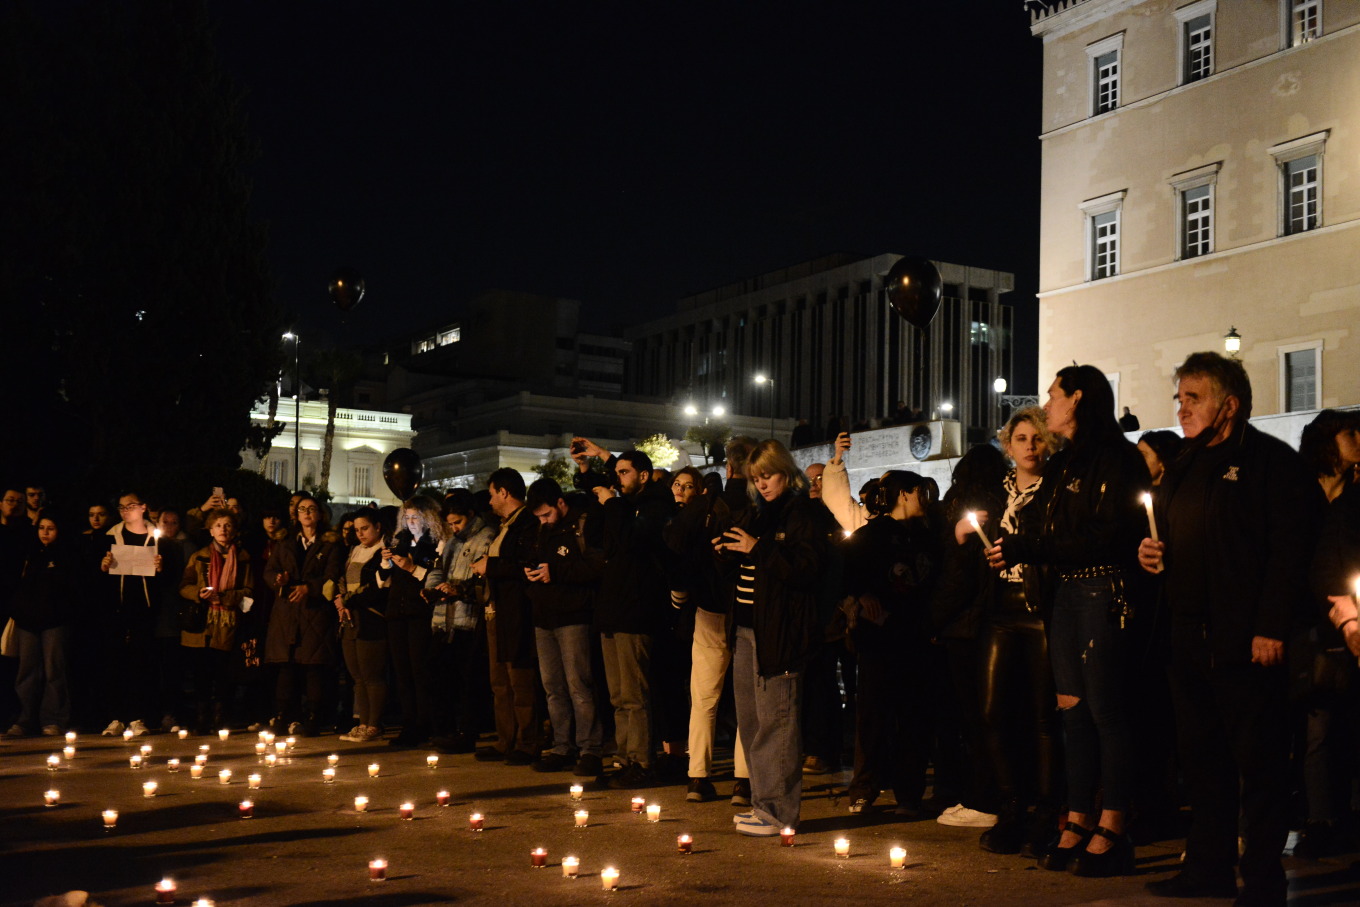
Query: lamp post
[[762, 379], [297, 410], [1232, 342]]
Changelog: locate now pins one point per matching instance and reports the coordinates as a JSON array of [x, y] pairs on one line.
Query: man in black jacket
[[1238, 525]]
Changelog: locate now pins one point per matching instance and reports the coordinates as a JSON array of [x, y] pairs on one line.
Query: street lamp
[[999, 385], [762, 379], [297, 410], [1232, 342]]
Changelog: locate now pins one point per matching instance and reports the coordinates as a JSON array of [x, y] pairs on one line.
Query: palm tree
[[338, 369]]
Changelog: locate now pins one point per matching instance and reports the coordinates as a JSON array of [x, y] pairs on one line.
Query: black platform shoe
[[1058, 858], [1117, 861]]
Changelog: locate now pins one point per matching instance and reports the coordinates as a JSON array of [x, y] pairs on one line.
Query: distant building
[[1201, 173], [824, 337]]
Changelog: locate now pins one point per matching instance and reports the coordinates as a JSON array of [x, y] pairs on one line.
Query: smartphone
[[207, 588], [578, 447], [217, 491]]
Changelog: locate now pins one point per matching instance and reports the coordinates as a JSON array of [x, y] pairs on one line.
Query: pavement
[[307, 845]]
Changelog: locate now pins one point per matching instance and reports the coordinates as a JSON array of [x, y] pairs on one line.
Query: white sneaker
[[355, 735], [295, 728], [115, 729], [961, 816], [138, 728]]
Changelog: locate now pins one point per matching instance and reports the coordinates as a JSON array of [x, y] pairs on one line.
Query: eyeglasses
[[124, 508], [307, 510]]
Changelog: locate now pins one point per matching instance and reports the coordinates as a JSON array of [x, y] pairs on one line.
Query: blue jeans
[[564, 662], [768, 720], [41, 682], [1087, 650]]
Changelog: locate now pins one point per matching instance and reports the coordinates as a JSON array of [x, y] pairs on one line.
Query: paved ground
[[307, 845]]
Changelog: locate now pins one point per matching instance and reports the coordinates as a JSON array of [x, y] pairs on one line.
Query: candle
[[70, 737], [570, 867], [51, 797], [328, 776], [373, 770], [408, 810], [145, 750], [224, 776], [259, 748], [654, 812], [68, 753], [442, 798], [127, 736], [786, 836], [54, 762], [204, 902], [134, 760], [205, 748], [149, 789], [577, 791], [267, 736], [1152, 522], [253, 779], [609, 878], [223, 734], [196, 771], [685, 843], [897, 856], [361, 804], [280, 746], [538, 858], [201, 759], [271, 760], [972, 519], [475, 821], [172, 765], [842, 846], [183, 734], [333, 760], [246, 809], [165, 891], [291, 742], [638, 803], [110, 818], [582, 818], [156, 533], [1356, 594], [432, 761], [377, 870]]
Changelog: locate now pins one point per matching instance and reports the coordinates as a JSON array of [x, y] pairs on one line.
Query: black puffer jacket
[[574, 569]]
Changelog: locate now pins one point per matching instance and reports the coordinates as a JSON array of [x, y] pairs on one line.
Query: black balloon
[[347, 288], [402, 471], [914, 288]]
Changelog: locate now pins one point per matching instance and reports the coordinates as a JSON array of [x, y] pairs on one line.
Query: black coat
[[510, 590], [574, 570], [635, 595], [47, 589], [304, 633]]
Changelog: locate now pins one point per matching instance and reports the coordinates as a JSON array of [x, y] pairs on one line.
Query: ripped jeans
[[1086, 647]]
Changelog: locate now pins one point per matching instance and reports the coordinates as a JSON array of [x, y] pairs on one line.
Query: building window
[[278, 472], [362, 485], [452, 335], [1300, 165], [1300, 376], [1303, 21], [1105, 67], [1102, 234], [1197, 40], [1194, 192]]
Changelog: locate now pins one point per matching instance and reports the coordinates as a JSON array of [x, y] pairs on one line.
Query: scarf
[[222, 567]]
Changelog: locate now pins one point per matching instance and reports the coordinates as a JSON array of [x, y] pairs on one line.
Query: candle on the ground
[[172, 765], [259, 748], [609, 878], [377, 870], [327, 775], [842, 846], [361, 804], [183, 734], [54, 762], [196, 771], [582, 818], [373, 770], [476, 821], [149, 789], [70, 737], [442, 798], [577, 791], [432, 761], [408, 810], [51, 797], [638, 803], [223, 734], [538, 858], [271, 760], [165, 891], [570, 867], [253, 779], [897, 856], [110, 818], [224, 776], [247, 809], [685, 843], [68, 753], [653, 812], [333, 759], [786, 836], [134, 760], [201, 759]]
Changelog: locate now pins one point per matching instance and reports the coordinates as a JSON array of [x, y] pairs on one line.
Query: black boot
[[1008, 833], [1042, 836]]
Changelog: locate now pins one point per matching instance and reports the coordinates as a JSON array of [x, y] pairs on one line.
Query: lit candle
[[328, 776], [582, 818], [183, 734], [786, 836], [271, 760], [609, 878], [259, 748], [432, 761], [224, 776], [110, 818], [638, 803], [897, 856], [54, 762], [972, 519], [145, 750], [538, 858], [280, 746], [134, 760], [267, 736], [196, 771], [377, 870], [68, 753], [408, 810], [842, 846], [373, 770], [165, 891], [442, 798], [685, 843], [361, 804], [51, 797], [205, 748], [172, 765], [127, 736], [204, 902], [223, 734], [654, 812], [291, 742], [577, 791], [70, 737], [253, 780], [570, 867], [201, 759], [1356, 593], [1152, 522], [333, 760], [475, 821], [149, 789], [247, 809]]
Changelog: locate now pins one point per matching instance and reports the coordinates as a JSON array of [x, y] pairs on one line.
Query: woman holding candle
[[41, 608], [410, 565], [363, 628], [306, 569], [217, 579], [1084, 525], [130, 622], [782, 558]]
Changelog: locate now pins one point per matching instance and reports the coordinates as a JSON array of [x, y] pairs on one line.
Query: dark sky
[[627, 154]]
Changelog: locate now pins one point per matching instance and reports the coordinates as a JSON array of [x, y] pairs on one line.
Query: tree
[[144, 326], [338, 368], [559, 469], [659, 449]]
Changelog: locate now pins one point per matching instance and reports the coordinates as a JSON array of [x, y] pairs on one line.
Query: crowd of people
[[1082, 636]]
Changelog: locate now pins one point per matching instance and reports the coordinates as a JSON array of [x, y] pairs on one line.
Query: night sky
[[628, 154]]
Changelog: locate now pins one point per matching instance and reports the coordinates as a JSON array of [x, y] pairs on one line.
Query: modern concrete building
[[826, 343], [1201, 178]]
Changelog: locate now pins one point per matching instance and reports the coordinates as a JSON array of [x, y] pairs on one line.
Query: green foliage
[[709, 435], [559, 469], [660, 449]]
